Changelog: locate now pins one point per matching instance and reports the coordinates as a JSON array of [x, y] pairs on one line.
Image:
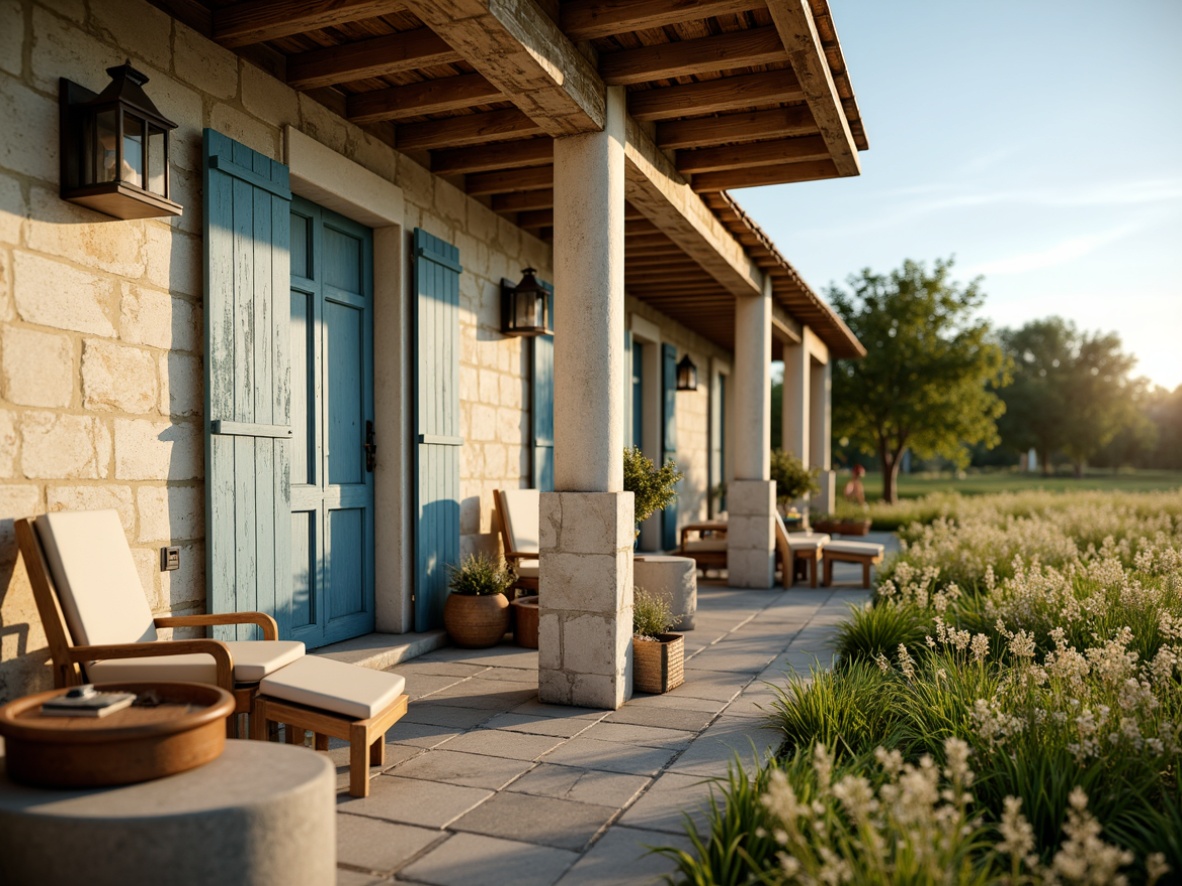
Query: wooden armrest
[[268, 625], [223, 661], [520, 555]]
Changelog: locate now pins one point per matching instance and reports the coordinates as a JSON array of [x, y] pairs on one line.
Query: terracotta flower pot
[[525, 622], [658, 664], [842, 527], [476, 621]]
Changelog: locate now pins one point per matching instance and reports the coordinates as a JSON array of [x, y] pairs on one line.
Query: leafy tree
[[1070, 393], [926, 381]]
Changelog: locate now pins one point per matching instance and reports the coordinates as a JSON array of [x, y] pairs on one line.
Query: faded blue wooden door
[[542, 406], [669, 437], [247, 384], [437, 423], [332, 528]]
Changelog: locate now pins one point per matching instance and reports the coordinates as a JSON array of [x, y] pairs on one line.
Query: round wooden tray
[[185, 729]]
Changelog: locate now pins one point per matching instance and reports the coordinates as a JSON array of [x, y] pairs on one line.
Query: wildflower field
[[1008, 710]]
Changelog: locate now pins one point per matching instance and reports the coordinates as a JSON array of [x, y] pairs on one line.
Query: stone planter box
[[658, 665]]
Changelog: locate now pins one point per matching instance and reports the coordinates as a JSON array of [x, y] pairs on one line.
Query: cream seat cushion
[[329, 685], [861, 548], [521, 519], [807, 541], [253, 660], [526, 568], [97, 582]]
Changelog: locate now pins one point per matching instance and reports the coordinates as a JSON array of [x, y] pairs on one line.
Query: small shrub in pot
[[476, 614], [658, 657]]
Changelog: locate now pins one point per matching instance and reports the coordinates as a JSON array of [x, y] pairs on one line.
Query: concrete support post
[[585, 583], [751, 496], [821, 442], [794, 416]]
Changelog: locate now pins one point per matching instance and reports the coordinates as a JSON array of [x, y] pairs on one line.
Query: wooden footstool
[[866, 553], [331, 698], [806, 547]]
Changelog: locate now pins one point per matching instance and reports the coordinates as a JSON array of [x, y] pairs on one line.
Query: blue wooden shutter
[[542, 406], [247, 383], [669, 436], [437, 423]]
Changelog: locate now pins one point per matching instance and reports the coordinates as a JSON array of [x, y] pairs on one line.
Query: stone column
[[794, 415], [821, 443], [585, 585], [751, 498]]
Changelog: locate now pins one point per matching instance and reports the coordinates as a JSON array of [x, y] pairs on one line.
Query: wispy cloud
[[1059, 253]]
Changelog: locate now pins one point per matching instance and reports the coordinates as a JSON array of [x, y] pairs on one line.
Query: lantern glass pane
[[156, 160], [105, 147], [540, 310], [523, 310], [133, 150]]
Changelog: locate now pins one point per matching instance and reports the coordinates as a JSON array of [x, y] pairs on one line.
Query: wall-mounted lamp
[[687, 374], [115, 148], [524, 306]]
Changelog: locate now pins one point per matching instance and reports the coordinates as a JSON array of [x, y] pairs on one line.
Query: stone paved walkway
[[484, 785]]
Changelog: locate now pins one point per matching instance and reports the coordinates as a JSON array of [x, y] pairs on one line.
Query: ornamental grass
[[1008, 709]]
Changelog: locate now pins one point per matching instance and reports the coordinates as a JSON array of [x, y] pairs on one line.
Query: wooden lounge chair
[[793, 547], [100, 629], [865, 553], [518, 514]]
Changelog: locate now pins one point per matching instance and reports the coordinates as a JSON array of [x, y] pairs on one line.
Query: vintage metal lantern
[[525, 307], [687, 374], [115, 148]]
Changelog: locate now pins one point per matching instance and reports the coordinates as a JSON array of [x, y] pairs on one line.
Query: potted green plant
[[658, 656], [476, 613], [653, 488], [793, 480]]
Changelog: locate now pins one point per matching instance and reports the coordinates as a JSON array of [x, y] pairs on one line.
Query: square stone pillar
[[795, 408], [751, 534], [585, 600], [825, 501]]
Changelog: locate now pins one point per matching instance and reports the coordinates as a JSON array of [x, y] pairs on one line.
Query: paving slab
[[563, 824], [380, 847], [632, 734], [427, 804], [611, 756], [431, 713], [469, 770], [502, 743], [727, 740], [565, 727], [477, 860], [422, 735], [624, 856], [662, 717], [665, 805], [583, 785]]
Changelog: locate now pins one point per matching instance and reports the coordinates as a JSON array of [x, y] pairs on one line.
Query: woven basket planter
[[658, 665], [525, 622], [476, 622]]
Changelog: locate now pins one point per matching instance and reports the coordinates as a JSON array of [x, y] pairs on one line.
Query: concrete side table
[[260, 813], [675, 578]]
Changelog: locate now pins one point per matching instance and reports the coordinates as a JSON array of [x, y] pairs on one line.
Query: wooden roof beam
[[710, 96], [588, 19], [486, 158], [658, 190], [759, 154], [376, 57], [521, 50], [781, 173], [784, 327], [257, 21], [730, 128], [535, 219], [522, 201], [533, 178], [470, 129], [737, 49], [418, 99], [794, 20]]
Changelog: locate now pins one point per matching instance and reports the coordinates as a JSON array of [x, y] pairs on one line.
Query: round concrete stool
[[675, 578], [260, 813]]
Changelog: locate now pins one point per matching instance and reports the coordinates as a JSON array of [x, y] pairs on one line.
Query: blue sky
[[1038, 142]]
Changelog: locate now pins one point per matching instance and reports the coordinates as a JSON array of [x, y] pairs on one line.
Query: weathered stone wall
[[101, 335]]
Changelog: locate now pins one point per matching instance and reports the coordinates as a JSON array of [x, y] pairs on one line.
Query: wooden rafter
[[424, 97], [794, 21], [471, 129], [709, 96], [747, 127], [508, 155], [737, 49], [376, 57], [522, 201], [781, 151], [588, 19], [508, 181], [535, 219], [779, 174], [256, 21]]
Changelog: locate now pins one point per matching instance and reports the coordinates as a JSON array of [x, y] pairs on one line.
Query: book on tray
[[84, 701]]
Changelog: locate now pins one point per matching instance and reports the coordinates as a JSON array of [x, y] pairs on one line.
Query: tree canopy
[[1071, 391], [927, 381]]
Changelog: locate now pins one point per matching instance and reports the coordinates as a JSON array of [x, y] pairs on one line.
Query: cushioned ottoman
[[866, 553], [331, 698]]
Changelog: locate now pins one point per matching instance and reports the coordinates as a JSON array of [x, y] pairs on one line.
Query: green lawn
[[917, 485]]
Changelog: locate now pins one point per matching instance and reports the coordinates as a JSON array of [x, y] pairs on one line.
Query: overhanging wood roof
[[721, 93]]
